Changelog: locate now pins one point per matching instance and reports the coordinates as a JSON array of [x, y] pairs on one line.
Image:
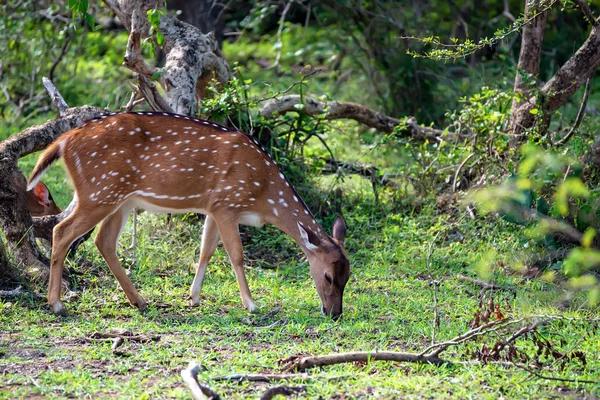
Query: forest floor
[[389, 305]]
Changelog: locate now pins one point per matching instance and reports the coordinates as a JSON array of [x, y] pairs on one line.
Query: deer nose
[[333, 314]]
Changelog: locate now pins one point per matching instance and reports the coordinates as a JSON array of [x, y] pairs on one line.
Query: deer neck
[[288, 210]]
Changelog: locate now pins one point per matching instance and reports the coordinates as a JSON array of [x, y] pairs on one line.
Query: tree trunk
[[15, 219], [192, 58], [529, 63], [559, 89]]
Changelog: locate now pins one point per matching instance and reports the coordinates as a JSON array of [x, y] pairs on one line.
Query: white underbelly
[[153, 208], [245, 218]]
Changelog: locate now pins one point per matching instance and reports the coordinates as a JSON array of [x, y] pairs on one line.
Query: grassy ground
[[388, 306]]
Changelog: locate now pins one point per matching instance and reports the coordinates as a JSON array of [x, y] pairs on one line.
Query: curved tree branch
[[345, 110]]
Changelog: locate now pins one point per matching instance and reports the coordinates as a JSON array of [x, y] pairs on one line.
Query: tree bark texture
[[192, 58]]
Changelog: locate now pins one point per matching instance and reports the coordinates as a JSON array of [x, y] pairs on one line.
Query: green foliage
[[154, 15], [451, 51], [563, 204], [80, 8]]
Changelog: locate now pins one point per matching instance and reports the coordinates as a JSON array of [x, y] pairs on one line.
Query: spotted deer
[[40, 201], [171, 163]]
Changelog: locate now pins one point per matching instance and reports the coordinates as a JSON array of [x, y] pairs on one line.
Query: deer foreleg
[[210, 239]]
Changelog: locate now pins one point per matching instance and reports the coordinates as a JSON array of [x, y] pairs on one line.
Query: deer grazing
[[173, 163], [40, 201]]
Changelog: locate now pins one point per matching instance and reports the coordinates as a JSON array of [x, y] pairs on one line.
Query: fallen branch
[[263, 377], [485, 285], [199, 391], [300, 363], [368, 171], [12, 293], [554, 378], [343, 110], [282, 391], [122, 334]]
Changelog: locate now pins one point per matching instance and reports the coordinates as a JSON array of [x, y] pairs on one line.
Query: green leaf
[[160, 38], [156, 75], [588, 237], [542, 206], [299, 107], [89, 18], [533, 111]]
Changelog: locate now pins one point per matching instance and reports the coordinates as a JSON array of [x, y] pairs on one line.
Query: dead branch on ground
[[302, 363], [485, 285], [368, 171], [199, 391], [282, 391]]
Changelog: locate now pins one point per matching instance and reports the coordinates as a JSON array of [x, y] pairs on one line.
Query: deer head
[[40, 201], [329, 265], [171, 163]]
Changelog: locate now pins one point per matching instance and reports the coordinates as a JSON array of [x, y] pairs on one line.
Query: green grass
[[388, 306]]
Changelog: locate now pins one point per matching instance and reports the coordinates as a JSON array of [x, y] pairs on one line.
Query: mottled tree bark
[[192, 58]]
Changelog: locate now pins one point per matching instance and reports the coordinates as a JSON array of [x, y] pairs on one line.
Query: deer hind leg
[[64, 234], [230, 236], [106, 241], [210, 239]]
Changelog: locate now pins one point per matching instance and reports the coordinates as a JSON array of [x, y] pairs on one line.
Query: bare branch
[[304, 363], [585, 9], [279, 31], [133, 56], [343, 110], [150, 93], [580, 113], [282, 391], [199, 391], [56, 97], [264, 377], [368, 171], [484, 285]]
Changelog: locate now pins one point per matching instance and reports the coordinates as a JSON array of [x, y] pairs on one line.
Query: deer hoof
[[57, 308], [140, 304], [251, 307]]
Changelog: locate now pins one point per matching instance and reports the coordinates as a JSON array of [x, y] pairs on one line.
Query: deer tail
[[48, 157]]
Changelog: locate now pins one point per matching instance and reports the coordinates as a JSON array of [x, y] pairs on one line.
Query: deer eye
[[328, 278]]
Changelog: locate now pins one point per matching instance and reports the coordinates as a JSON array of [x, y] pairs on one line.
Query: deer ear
[[310, 240], [339, 229], [42, 194]]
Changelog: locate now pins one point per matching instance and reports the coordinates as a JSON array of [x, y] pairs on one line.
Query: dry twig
[[199, 391], [282, 391], [485, 285]]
